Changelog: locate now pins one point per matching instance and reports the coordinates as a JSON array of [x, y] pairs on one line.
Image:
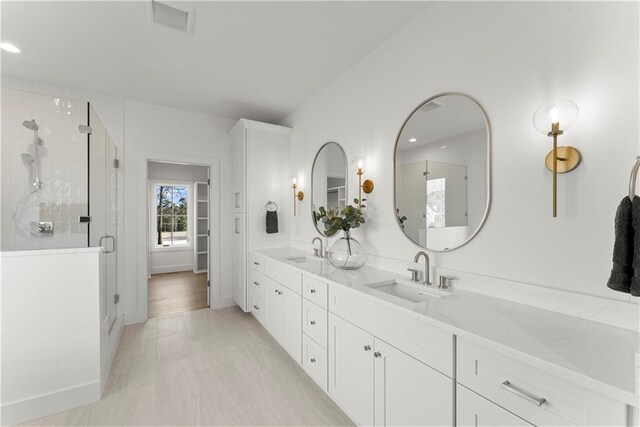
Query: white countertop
[[591, 354]]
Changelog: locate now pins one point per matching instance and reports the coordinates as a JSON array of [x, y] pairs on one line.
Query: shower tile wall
[[63, 169]]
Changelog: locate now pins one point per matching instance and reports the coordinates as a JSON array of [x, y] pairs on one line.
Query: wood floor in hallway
[[204, 367], [172, 293]]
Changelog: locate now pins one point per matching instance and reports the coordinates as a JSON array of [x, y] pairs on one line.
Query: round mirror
[[443, 172], [328, 181]]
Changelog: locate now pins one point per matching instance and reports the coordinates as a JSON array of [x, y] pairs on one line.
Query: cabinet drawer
[[285, 275], [257, 307], [257, 283], [314, 290], [256, 262], [314, 322], [531, 393], [474, 410], [314, 361]]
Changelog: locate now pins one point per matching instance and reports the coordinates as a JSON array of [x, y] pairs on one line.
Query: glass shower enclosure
[[59, 183]]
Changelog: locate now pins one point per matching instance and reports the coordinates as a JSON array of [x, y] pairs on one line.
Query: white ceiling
[[456, 116], [258, 60]]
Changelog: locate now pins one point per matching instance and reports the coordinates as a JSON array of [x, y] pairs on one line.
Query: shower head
[[27, 158], [31, 125]]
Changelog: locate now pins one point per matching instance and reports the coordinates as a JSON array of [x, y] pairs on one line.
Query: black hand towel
[[272, 222], [635, 213], [623, 248]]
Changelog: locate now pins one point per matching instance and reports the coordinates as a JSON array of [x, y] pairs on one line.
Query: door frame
[[143, 217]]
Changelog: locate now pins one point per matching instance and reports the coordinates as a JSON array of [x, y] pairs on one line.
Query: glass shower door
[[103, 212]]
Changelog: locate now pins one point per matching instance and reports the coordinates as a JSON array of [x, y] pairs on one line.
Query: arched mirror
[[443, 172], [328, 181]]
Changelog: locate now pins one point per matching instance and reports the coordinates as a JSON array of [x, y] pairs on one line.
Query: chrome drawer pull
[[256, 307], [313, 291], [313, 360], [256, 263], [313, 322], [522, 393]]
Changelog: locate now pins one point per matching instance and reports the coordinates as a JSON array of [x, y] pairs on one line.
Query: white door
[[292, 323], [474, 410], [274, 310], [351, 369], [408, 392], [239, 174], [240, 262]]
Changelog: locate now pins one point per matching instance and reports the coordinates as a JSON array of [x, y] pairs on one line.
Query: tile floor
[[204, 367]]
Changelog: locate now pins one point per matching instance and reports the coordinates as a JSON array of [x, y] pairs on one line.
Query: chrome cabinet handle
[[313, 291], [256, 283], [313, 360], [256, 307], [313, 322], [367, 348], [237, 195], [523, 393], [256, 263], [377, 354], [237, 226]]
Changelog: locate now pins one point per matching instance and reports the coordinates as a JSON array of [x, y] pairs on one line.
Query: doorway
[[179, 234]]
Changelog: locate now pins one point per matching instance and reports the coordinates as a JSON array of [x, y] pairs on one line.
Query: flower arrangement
[[335, 220]]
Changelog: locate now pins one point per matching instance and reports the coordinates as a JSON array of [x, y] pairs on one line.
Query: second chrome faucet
[[415, 273]]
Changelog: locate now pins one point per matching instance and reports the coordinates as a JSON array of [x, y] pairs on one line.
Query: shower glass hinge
[[208, 283], [84, 219], [84, 129], [116, 163], [116, 298]]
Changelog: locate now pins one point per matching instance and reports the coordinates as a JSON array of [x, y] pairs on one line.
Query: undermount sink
[[302, 259], [408, 292]]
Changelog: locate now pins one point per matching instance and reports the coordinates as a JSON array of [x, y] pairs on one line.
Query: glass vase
[[347, 253]]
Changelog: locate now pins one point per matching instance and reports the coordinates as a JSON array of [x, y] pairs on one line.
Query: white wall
[[511, 57], [169, 260], [51, 332], [161, 133]]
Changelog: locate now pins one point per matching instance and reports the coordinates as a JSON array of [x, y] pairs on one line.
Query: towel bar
[[632, 179]]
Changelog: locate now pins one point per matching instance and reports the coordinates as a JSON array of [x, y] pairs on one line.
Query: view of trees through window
[[171, 215]]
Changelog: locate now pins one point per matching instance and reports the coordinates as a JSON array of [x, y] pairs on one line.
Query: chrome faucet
[[426, 281], [319, 254]]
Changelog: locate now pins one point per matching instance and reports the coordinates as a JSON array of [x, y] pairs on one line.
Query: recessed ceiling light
[[9, 47], [412, 140], [444, 146]]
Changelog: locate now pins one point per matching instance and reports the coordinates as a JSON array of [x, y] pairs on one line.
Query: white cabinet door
[[351, 369], [239, 174], [474, 410], [274, 320], [408, 392], [240, 262], [292, 323]]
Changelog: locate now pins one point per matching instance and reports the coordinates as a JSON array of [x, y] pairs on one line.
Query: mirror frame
[[489, 170], [346, 181]]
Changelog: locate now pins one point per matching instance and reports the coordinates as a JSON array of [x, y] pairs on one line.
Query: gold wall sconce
[[546, 120], [297, 195], [367, 185]]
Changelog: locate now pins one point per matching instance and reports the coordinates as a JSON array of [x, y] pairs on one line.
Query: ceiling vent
[[162, 13], [431, 105]]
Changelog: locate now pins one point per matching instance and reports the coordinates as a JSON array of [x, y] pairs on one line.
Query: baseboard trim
[[50, 403], [223, 303]]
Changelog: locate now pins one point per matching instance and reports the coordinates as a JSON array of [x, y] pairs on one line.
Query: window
[[436, 199], [172, 215]]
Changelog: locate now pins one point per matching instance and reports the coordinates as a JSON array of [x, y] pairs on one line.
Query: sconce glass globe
[[563, 111], [358, 163]]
